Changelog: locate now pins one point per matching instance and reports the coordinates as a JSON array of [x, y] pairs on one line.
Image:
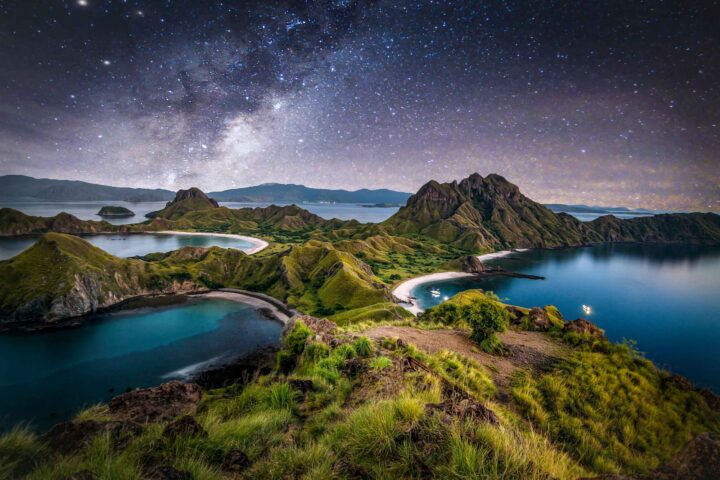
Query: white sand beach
[[252, 301], [258, 244], [404, 290]]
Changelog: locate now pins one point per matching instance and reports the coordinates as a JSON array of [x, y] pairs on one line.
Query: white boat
[[435, 292], [587, 309]]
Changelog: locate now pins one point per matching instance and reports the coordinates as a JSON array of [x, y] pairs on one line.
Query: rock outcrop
[[163, 402], [584, 327], [699, 460]]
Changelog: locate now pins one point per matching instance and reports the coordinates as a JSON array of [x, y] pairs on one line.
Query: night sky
[[605, 103]]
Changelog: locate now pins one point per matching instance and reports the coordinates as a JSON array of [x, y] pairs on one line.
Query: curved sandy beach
[[403, 291], [248, 300], [258, 244]]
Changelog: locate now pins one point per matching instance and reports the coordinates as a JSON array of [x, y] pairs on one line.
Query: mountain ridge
[[491, 213], [23, 187]]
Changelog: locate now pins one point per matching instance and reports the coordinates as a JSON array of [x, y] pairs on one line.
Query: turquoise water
[[131, 245], [47, 377], [666, 297]]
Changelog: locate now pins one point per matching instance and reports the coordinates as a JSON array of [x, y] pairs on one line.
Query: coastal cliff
[[63, 276]]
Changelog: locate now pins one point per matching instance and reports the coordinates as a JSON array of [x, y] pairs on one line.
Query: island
[[115, 211], [363, 385], [382, 205]]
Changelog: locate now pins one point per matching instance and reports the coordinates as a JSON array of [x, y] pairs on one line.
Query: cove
[[136, 244], [47, 377], [665, 297]]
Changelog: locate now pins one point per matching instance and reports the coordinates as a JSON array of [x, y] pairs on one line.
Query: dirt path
[[527, 350]]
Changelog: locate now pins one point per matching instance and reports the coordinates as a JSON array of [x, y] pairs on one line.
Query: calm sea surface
[[47, 377], [665, 297], [130, 245], [88, 210]]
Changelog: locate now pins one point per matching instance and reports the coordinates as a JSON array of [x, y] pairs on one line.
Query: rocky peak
[[193, 193], [185, 201]]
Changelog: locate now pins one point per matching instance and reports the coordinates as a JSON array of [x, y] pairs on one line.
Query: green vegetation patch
[[614, 411]]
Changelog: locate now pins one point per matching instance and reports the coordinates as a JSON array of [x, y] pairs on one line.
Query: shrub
[[446, 313], [363, 347], [19, 448], [294, 346], [486, 318], [380, 363], [281, 396]]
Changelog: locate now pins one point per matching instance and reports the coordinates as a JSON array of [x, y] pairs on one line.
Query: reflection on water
[[666, 297]]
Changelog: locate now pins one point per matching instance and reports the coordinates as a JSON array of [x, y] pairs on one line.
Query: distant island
[[15, 188], [23, 188], [115, 211], [384, 205], [290, 193]]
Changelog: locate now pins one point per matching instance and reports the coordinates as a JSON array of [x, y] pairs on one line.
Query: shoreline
[[502, 253], [255, 302], [258, 244], [403, 291]]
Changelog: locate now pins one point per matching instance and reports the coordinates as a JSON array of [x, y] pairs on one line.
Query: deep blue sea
[[47, 377], [665, 297]]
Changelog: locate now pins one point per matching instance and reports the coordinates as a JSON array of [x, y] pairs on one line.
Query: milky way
[[610, 103]]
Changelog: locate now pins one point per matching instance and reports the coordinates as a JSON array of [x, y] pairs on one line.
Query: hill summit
[[485, 213], [185, 201]]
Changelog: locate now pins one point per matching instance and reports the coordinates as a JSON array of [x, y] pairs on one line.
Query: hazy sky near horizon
[[608, 103]]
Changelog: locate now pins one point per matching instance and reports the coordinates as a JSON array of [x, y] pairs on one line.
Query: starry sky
[[603, 103]]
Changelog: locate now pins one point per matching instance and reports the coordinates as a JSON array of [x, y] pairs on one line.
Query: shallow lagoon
[[665, 297], [47, 377]]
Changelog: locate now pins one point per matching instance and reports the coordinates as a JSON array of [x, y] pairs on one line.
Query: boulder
[[301, 385], [582, 326], [166, 472], [472, 264], [163, 402], [235, 461], [69, 437], [516, 314], [539, 320], [699, 460]]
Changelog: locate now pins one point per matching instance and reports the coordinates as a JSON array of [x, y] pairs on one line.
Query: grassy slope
[[315, 277], [50, 269], [604, 410]]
